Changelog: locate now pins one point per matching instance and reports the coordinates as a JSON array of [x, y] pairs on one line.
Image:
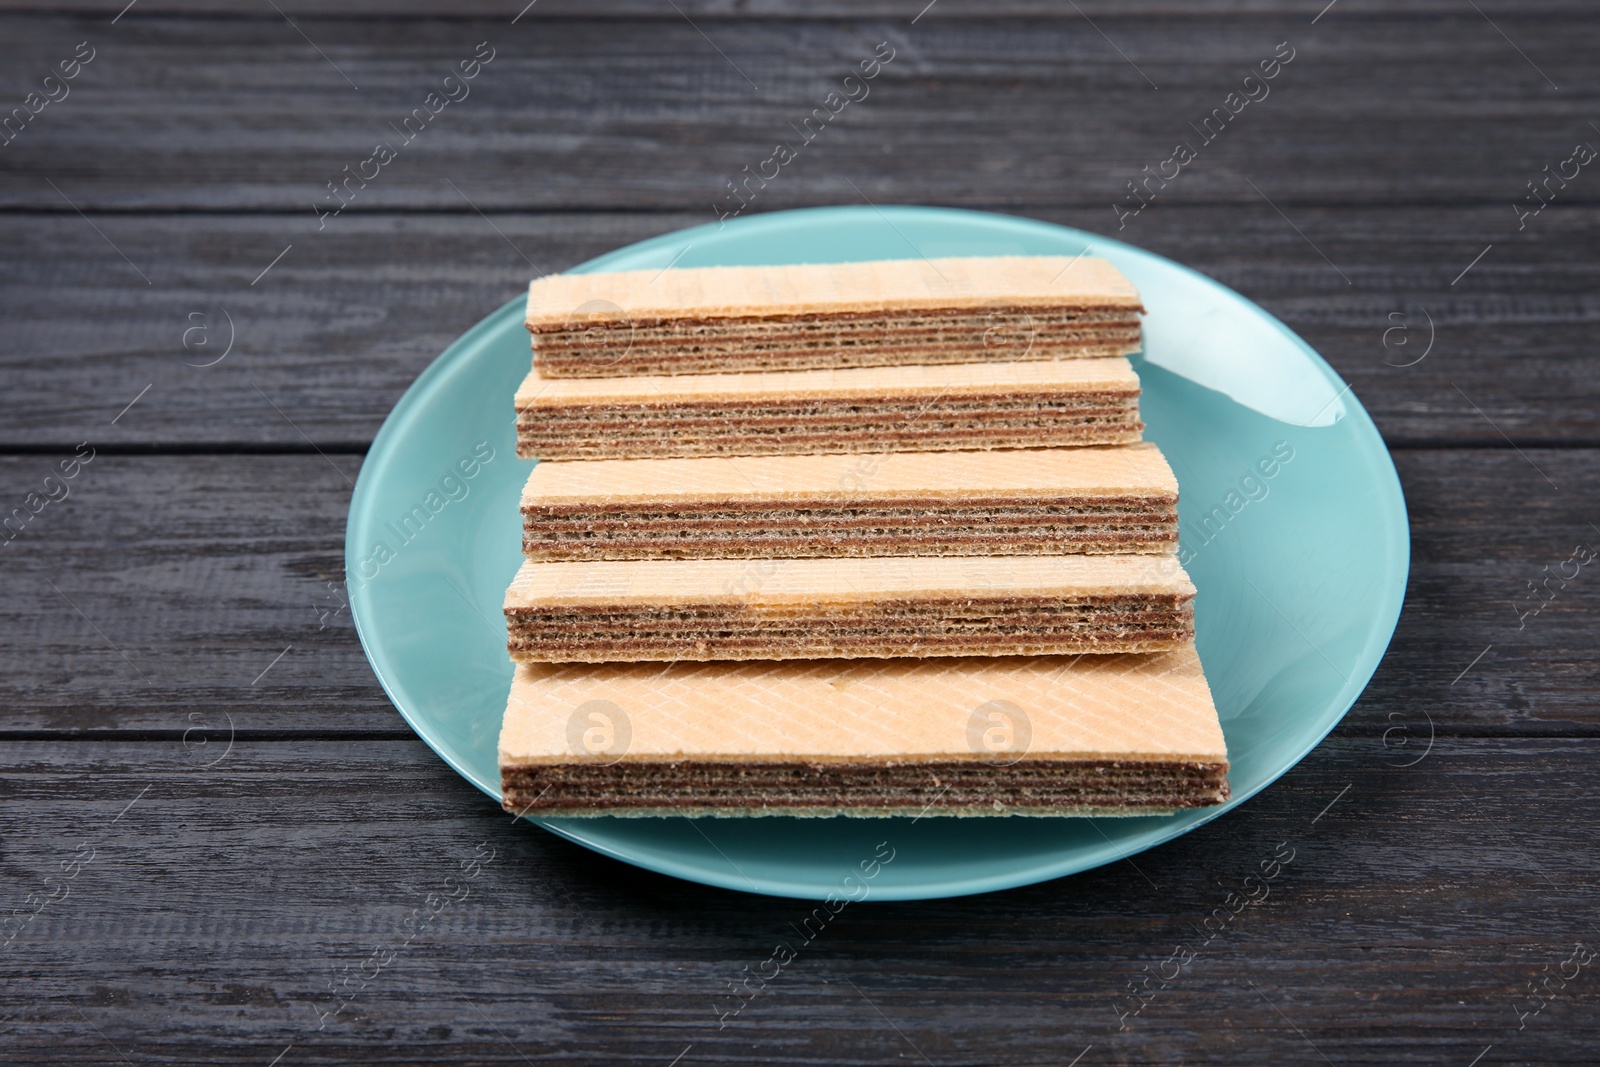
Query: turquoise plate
[[1293, 529]]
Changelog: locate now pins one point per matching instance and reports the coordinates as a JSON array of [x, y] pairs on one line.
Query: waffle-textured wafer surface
[[921, 408], [1003, 502], [1047, 735], [706, 609], [871, 285], [708, 320]]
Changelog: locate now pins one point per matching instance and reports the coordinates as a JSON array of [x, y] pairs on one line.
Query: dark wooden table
[[215, 829]]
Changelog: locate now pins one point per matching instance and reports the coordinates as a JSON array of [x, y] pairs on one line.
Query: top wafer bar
[[717, 320]]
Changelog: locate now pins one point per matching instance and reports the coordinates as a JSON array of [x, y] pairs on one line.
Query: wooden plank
[[749, 10], [344, 322], [216, 914], [208, 114], [202, 570], [161, 591]]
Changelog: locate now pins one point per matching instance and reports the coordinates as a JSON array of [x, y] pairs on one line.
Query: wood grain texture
[[221, 562], [220, 908], [345, 321], [904, 10], [211, 114]]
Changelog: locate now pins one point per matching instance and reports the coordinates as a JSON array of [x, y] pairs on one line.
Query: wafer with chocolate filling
[[1004, 502], [717, 320], [708, 609], [1100, 735], [871, 409]]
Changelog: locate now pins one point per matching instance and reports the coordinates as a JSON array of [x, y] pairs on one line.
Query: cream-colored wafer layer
[[984, 736], [830, 288], [785, 584], [1131, 471]]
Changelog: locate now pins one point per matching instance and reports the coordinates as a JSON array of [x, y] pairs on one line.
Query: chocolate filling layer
[[724, 528], [975, 625], [940, 785]]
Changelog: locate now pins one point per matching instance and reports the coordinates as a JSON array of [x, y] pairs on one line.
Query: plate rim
[[1392, 583]]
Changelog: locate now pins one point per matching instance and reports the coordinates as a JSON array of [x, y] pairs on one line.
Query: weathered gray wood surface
[[336, 331], [1415, 911], [185, 115], [221, 908]]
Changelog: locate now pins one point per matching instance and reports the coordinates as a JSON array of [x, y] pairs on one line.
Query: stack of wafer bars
[[869, 539]]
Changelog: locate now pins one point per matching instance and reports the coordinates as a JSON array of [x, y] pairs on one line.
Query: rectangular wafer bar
[[1004, 502], [1100, 735], [715, 320], [1040, 404], [710, 609]]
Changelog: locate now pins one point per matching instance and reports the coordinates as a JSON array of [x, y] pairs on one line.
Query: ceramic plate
[[1293, 529]]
